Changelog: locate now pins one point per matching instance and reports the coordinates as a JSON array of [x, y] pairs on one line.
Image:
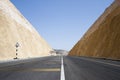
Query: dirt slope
[[15, 28], [103, 38]]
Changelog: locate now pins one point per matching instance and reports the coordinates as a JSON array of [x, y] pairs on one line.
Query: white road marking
[[62, 70], [102, 62]]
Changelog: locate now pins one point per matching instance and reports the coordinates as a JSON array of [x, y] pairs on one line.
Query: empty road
[[47, 68], [58, 68], [80, 68]]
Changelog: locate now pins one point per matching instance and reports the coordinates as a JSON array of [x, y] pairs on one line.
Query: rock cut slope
[[15, 28], [102, 40]]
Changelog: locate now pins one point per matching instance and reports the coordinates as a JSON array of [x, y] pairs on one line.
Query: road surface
[[47, 68], [53, 68], [80, 68]]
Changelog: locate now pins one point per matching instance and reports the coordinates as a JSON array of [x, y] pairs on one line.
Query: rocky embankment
[[102, 40], [15, 28]]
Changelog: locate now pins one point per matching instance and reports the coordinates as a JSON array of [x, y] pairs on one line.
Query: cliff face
[[15, 28], [103, 38]]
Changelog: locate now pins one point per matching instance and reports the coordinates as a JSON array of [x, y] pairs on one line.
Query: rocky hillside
[[15, 28], [103, 38]]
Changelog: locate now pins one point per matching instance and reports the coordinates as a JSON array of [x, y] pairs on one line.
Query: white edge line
[[103, 62], [62, 70]]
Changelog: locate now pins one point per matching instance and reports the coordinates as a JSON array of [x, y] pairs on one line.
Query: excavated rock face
[[15, 28], [118, 1], [103, 38]]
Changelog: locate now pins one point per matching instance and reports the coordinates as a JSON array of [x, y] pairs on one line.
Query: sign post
[[16, 45]]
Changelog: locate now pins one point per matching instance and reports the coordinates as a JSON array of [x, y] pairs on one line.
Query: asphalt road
[[49, 68], [80, 68]]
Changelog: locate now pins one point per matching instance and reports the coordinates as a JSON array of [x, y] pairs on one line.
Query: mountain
[[14, 28], [60, 51], [102, 40]]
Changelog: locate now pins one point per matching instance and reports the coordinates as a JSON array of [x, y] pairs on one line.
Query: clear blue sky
[[62, 22]]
